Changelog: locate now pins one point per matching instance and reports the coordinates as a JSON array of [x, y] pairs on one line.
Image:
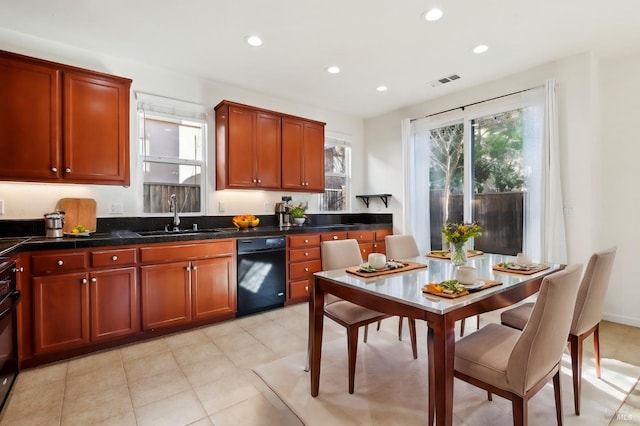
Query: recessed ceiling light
[[253, 40], [381, 88], [481, 48], [333, 69], [433, 14]]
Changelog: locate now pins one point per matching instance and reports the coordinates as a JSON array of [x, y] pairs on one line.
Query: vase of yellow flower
[[457, 234]]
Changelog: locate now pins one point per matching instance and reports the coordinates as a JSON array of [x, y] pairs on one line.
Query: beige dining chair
[[341, 254], [587, 315], [403, 246], [399, 247], [516, 364]]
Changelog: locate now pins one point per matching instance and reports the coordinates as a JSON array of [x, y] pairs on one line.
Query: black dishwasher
[[261, 274]]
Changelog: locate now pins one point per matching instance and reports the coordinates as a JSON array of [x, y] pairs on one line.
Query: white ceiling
[[374, 42]]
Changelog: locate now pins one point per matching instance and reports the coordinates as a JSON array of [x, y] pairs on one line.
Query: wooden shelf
[[383, 197]]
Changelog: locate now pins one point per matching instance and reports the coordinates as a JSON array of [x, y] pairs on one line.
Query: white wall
[[32, 200], [592, 98]]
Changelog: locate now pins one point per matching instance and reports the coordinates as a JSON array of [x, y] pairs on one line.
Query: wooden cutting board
[[78, 211]]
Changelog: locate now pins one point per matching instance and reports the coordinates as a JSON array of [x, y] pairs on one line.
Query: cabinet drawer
[[301, 255], [180, 252], [113, 257], [331, 236], [60, 262], [299, 289], [381, 233], [299, 241], [365, 250], [361, 235], [303, 270]]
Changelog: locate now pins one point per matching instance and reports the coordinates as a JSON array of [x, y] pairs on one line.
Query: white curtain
[[416, 154], [554, 244]]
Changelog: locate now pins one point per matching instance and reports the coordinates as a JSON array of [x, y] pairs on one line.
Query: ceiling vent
[[444, 80]]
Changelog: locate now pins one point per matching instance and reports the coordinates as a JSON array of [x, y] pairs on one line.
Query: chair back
[[401, 247], [592, 292], [340, 254], [540, 345]]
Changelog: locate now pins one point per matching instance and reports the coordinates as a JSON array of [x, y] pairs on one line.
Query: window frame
[[341, 141], [147, 111]]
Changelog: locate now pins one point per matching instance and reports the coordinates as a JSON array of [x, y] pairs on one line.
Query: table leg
[[316, 318], [441, 347]]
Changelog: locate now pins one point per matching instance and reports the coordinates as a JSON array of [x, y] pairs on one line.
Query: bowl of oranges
[[245, 221]]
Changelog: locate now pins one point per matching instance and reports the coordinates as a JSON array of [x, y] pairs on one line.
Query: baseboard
[[633, 321]]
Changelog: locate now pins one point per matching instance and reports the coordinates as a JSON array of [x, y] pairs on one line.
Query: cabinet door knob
[[60, 262], [114, 258], [254, 180], [335, 237], [54, 169], [94, 280], [188, 268], [306, 269], [306, 288], [84, 281], [306, 253], [259, 180], [67, 170], [306, 241], [195, 268]]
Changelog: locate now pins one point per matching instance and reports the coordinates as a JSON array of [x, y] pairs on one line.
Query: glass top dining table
[[401, 294]]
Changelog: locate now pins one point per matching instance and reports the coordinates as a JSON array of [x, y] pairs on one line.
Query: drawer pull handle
[[60, 262], [306, 241], [306, 253], [335, 237], [84, 281], [114, 258], [94, 280], [306, 269]]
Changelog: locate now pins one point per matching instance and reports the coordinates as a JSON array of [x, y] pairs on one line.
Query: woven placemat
[[441, 254], [355, 270], [487, 284], [540, 267]]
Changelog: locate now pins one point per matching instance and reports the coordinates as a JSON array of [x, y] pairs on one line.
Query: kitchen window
[[337, 175], [172, 159]]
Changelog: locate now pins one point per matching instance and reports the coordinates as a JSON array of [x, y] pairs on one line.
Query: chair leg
[[462, 327], [477, 322], [366, 332], [519, 407], [489, 396], [412, 333], [378, 326], [400, 328], [556, 392], [596, 349], [576, 369], [352, 350]]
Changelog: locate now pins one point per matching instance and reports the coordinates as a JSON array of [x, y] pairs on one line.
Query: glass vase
[[458, 253]]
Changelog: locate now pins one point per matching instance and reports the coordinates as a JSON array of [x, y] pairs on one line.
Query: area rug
[[391, 389]]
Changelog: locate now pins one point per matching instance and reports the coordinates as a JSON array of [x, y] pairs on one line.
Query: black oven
[[9, 298]]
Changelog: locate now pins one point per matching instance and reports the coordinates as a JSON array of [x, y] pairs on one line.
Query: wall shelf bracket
[[383, 197]]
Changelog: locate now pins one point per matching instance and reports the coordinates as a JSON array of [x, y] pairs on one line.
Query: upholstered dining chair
[[399, 247], [586, 315], [516, 364], [404, 246], [341, 254]]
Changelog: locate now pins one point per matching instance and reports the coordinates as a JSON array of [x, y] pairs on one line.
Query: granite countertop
[[14, 245]]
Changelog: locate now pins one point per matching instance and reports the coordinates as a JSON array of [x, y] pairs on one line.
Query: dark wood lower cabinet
[[213, 288], [61, 312], [114, 304], [166, 295]]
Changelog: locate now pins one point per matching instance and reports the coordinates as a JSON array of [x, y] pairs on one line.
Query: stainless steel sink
[[163, 232]]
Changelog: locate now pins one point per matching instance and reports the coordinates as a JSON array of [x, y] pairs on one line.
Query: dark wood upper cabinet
[[261, 149], [62, 124], [302, 155]]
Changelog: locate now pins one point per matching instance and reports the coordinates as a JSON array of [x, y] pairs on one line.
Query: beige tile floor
[[205, 377]]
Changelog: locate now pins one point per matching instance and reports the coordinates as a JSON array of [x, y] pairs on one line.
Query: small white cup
[[377, 260], [466, 274], [523, 259]]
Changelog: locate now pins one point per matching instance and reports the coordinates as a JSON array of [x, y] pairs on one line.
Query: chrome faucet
[[173, 206]]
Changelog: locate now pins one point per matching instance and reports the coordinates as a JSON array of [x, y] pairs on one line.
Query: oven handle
[[14, 295]]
